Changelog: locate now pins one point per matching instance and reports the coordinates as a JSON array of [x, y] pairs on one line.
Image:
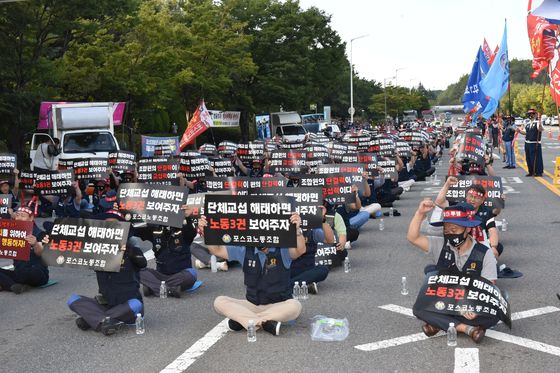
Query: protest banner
[[13, 244], [26, 180], [386, 146], [326, 255], [158, 171], [454, 293], [336, 187], [5, 205], [86, 244], [225, 118], [250, 152], [8, 163], [369, 160], [288, 161], [242, 184], [414, 138], [493, 185], [403, 149], [160, 146], [153, 204], [262, 125], [222, 167], [54, 183], [472, 149], [337, 150], [122, 161], [253, 221], [344, 168], [194, 165], [389, 167], [316, 154], [91, 169], [227, 149]]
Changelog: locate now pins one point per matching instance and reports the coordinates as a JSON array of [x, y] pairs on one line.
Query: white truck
[[85, 130]]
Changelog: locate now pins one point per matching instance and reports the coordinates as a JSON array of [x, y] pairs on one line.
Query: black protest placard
[[454, 293], [91, 169], [122, 161], [493, 185], [208, 149], [250, 152], [153, 204], [53, 183], [386, 146], [318, 138], [13, 244], [26, 180], [389, 167], [65, 164], [414, 138], [86, 244], [337, 151], [194, 165], [360, 141], [403, 149], [307, 202], [242, 184], [336, 187], [326, 255], [158, 171], [369, 160], [260, 221], [316, 155], [5, 205], [227, 149], [292, 145], [222, 167], [288, 161], [8, 163], [344, 168], [472, 148]]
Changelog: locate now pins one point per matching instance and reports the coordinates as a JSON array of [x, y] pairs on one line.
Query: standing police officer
[[533, 150]]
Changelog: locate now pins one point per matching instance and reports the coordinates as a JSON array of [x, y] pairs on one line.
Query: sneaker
[[174, 292], [111, 326], [271, 326], [234, 326], [313, 288], [82, 324], [19, 288], [199, 265], [147, 291], [223, 266], [348, 245]]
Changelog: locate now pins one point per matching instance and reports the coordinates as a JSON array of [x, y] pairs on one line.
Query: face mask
[[455, 240]]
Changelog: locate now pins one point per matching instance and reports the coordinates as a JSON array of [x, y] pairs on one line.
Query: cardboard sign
[[222, 167], [86, 244], [259, 221], [389, 167], [8, 163], [492, 184], [194, 166], [54, 183], [154, 204], [250, 152], [454, 293], [288, 161], [326, 255], [91, 169], [12, 239], [5, 205], [122, 161], [26, 180], [472, 148], [242, 184], [158, 171], [307, 202]]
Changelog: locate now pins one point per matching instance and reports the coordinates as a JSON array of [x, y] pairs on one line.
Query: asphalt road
[[38, 334]]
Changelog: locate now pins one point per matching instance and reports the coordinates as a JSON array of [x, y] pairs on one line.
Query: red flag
[[493, 55], [486, 50], [542, 37], [199, 123]]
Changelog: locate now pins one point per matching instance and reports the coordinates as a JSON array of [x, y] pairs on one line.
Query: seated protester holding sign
[[456, 250], [120, 299], [267, 278], [27, 273], [343, 235], [486, 233], [171, 248], [365, 199], [406, 174], [422, 163]]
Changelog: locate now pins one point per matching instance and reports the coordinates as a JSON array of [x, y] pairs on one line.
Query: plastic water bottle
[[504, 225], [296, 292], [53, 214], [214, 263], [304, 291], [451, 335], [381, 224], [404, 290], [140, 324], [346, 264], [251, 332], [163, 290], [391, 211], [435, 180]]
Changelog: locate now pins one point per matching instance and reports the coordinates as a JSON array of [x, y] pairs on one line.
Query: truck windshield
[[293, 130], [89, 142]]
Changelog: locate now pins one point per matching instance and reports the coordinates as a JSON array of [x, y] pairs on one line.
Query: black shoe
[[528, 175], [174, 292], [234, 326], [313, 288], [111, 326], [147, 291], [512, 167], [19, 288], [82, 324], [271, 326], [538, 175], [396, 213], [505, 167]]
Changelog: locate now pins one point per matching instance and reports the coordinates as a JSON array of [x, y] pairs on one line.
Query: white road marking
[[398, 309], [396, 341], [533, 312], [466, 360], [188, 357], [524, 342]]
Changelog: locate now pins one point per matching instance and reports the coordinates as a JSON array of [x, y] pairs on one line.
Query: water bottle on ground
[[452, 335], [163, 290], [381, 224], [404, 290], [346, 264], [53, 215], [251, 332], [504, 225], [391, 211], [139, 324], [304, 291], [214, 263], [296, 292]]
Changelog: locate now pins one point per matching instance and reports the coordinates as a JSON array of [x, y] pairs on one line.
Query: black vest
[[307, 260], [267, 285], [532, 132], [474, 262]]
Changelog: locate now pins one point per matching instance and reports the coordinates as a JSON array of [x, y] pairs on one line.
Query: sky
[[430, 41]]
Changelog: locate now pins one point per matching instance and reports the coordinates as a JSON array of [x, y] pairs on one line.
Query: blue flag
[[474, 99], [495, 84]]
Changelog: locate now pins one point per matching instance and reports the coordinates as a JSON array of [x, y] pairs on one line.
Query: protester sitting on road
[[27, 273], [422, 163], [171, 248], [352, 213], [120, 298], [456, 250], [267, 278]]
